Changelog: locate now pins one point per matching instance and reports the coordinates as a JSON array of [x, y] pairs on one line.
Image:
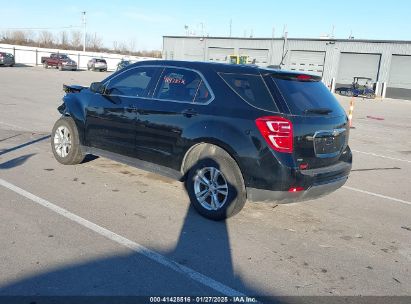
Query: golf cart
[[361, 86]]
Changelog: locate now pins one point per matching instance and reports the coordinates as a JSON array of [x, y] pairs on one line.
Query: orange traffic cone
[[350, 113]]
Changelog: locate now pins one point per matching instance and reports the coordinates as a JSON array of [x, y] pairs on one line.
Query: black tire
[[60, 67], [215, 157], [74, 155]]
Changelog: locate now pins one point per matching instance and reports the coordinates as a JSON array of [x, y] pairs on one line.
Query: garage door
[[307, 61], [259, 55], [357, 65], [219, 54], [399, 85], [194, 55]]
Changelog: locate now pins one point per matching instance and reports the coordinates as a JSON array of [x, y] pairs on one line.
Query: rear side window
[[182, 85], [252, 89], [304, 96]]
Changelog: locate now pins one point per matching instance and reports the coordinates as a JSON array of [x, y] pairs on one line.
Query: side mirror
[[97, 87]]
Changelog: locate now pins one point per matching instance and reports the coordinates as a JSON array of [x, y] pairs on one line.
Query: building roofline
[[302, 39]]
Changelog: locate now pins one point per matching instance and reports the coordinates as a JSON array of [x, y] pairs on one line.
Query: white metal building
[[388, 63]]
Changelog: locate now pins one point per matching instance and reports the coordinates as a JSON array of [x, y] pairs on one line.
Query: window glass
[[180, 85], [302, 96], [203, 95], [252, 89], [134, 82]]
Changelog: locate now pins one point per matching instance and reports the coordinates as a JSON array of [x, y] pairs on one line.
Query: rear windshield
[[101, 60], [252, 89], [303, 97]]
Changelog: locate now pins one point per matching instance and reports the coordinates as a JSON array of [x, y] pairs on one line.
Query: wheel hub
[[62, 141], [210, 188]]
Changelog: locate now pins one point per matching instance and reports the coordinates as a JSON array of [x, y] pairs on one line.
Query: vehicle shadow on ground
[[15, 162], [201, 264], [8, 150]]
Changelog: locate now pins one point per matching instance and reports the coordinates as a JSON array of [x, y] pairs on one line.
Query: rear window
[[304, 97], [252, 89], [101, 60]]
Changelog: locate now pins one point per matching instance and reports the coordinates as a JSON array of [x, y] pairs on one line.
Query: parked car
[[59, 61], [231, 132], [97, 64], [123, 63], [6, 59]]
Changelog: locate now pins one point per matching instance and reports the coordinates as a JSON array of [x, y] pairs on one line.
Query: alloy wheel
[[62, 141], [210, 188]]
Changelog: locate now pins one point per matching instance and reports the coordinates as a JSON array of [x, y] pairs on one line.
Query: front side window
[[134, 82], [182, 85]]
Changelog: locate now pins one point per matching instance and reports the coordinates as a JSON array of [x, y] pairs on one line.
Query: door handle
[[189, 113], [131, 108]]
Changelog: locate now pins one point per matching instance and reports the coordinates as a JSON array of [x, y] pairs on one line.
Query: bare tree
[[115, 45], [18, 36], [76, 38], [46, 39], [94, 42], [73, 40], [64, 39], [122, 47], [132, 45]]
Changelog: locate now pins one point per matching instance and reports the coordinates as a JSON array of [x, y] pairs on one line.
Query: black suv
[[231, 132]]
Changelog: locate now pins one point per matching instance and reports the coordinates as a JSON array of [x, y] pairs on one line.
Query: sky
[[144, 23]]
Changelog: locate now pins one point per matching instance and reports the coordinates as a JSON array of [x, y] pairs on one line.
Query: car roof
[[216, 66]]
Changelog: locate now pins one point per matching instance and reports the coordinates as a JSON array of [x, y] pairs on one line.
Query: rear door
[[176, 104], [320, 124]]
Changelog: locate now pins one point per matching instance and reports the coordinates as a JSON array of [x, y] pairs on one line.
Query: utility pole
[[84, 31]]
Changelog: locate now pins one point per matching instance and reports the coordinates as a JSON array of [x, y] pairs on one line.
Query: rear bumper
[[283, 197], [100, 67], [69, 67]]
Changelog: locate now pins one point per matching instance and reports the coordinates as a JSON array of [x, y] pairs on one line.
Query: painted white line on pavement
[[383, 156], [378, 195], [186, 271]]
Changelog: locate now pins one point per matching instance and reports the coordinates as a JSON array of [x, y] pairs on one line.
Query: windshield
[[303, 97]]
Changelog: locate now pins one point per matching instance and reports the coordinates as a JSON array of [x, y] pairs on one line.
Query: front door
[[111, 117]]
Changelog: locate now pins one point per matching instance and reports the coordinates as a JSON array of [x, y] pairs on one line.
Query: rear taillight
[[296, 189], [277, 131]]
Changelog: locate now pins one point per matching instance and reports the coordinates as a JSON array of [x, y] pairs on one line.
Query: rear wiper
[[318, 111]]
